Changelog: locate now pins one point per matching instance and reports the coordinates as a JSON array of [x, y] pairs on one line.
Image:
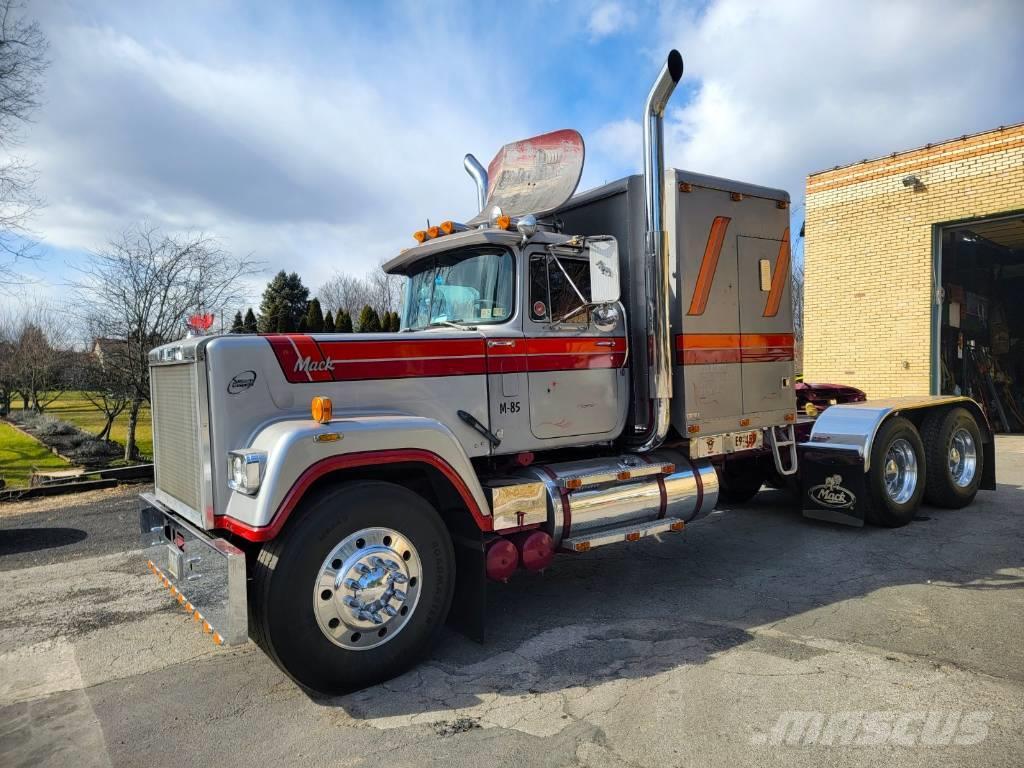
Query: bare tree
[[141, 288], [8, 365], [346, 292], [103, 384], [377, 289], [38, 363], [385, 290], [23, 61]]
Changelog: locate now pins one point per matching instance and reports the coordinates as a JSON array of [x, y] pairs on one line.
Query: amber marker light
[[321, 409], [503, 222], [420, 236], [447, 227], [434, 232]]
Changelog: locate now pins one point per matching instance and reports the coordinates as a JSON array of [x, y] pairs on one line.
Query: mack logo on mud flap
[[306, 365], [832, 494]]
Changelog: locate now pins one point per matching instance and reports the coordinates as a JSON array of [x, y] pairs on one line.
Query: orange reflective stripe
[[779, 277], [708, 265], [709, 348]]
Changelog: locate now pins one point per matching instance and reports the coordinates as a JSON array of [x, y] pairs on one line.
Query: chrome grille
[[176, 454]]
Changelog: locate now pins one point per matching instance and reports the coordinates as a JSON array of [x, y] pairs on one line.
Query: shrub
[[50, 427], [94, 448]]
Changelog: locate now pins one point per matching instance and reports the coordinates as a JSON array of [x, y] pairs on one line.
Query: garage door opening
[[981, 327]]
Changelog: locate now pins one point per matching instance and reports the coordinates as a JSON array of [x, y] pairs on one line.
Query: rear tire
[[896, 480], [739, 481], [952, 441], [398, 542]]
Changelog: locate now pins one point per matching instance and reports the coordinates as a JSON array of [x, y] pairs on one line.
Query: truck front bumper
[[205, 574]]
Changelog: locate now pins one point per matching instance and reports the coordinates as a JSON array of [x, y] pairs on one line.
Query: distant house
[[104, 349]]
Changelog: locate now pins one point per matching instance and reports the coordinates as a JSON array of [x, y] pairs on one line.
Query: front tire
[[955, 458], [355, 588], [896, 480]]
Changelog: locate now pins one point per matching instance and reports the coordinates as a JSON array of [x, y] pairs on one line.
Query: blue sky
[[318, 136]]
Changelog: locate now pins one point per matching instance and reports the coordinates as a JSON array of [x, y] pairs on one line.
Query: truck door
[[575, 382], [766, 326]]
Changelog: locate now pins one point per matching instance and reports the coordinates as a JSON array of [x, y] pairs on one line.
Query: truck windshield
[[472, 286]]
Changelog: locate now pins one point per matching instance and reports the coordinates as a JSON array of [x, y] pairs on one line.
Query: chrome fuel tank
[[596, 494]]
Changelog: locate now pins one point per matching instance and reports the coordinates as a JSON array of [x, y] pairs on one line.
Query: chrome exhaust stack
[[656, 258], [479, 174]]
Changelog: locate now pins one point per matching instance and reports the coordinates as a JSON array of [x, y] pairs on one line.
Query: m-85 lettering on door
[[509, 406]]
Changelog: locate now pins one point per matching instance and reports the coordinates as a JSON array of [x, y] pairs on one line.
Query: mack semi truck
[[572, 371]]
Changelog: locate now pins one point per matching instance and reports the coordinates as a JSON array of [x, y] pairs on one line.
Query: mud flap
[[833, 485], [468, 614]]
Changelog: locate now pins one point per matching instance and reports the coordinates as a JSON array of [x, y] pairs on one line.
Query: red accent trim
[[663, 504], [710, 348], [700, 487], [564, 495], [353, 360], [708, 265], [779, 278], [347, 461]]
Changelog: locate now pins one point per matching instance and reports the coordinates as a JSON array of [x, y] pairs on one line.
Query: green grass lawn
[[74, 408], [19, 454]]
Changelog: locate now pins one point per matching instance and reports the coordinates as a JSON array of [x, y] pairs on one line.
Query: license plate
[[730, 442], [175, 561], [746, 441]]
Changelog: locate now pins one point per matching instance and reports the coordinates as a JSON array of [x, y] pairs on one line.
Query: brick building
[[915, 273]]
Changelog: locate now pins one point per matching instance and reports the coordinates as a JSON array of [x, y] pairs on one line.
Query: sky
[[317, 136]]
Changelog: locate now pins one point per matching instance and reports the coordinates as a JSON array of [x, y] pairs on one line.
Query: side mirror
[[604, 270]]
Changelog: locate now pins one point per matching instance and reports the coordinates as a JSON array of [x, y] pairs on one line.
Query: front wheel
[[356, 589], [896, 479]]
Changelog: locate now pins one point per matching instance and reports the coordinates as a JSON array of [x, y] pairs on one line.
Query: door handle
[[604, 343], [509, 343]]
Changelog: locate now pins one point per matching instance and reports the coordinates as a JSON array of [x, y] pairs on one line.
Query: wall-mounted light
[[914, 182]]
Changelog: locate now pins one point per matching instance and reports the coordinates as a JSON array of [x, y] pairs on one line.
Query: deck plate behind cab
[[536, 175]]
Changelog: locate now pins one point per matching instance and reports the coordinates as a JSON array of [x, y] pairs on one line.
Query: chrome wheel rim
[[900, 471], [963, 457], [367, 588]]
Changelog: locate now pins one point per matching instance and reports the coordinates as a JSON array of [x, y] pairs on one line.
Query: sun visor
[[535, 175]]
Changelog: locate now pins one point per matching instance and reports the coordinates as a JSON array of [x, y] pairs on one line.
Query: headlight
[[245, 471]]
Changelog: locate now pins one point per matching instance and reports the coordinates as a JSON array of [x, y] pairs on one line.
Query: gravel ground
[[873, 646]]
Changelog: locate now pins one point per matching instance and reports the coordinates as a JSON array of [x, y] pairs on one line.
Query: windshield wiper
[[449, 323], [452, 324]]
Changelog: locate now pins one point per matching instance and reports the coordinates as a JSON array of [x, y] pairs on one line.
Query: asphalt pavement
[[754, 637]]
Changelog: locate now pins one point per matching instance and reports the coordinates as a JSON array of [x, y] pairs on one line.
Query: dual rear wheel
[[940, 464]]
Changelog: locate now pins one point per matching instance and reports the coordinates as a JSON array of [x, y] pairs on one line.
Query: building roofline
[[900, 153]]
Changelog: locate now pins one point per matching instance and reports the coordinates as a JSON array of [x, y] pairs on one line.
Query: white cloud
[[608, 19], [784, 89], [313, 169]]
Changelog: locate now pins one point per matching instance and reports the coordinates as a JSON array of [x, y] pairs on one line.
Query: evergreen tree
[[344, 322], [284, 303], [369, 320], [328, 322], [303, 325], [396, 322], [282, 324], [238, 325], [315, 316], [250, 322]]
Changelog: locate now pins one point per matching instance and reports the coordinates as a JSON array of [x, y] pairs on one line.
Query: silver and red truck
[[572, 371]]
